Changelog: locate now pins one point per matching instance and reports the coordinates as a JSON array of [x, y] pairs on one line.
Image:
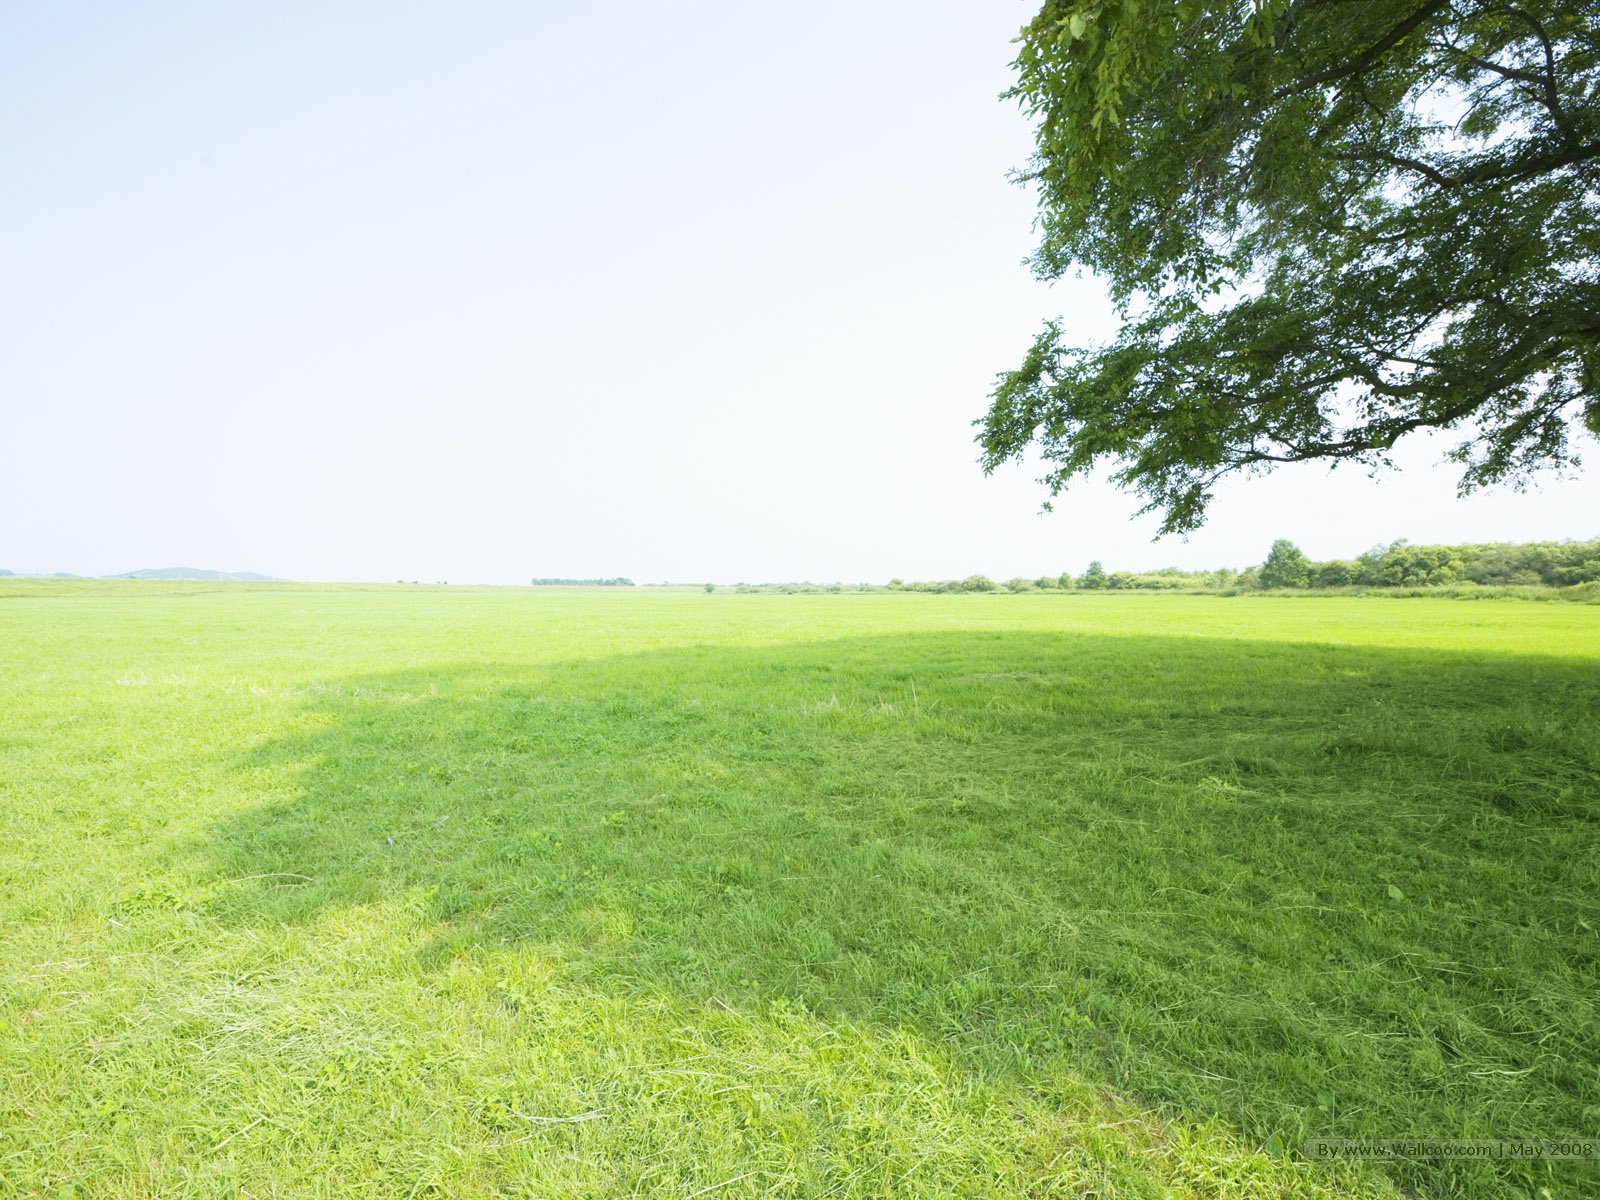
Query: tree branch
[[1367, 57], [1552, 97], [1413, 165]]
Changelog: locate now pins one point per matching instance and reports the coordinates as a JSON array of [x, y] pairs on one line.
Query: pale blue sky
[[482, 291]]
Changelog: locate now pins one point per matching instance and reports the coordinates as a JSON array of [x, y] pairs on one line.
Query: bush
[[975, 583], [1338, 573]]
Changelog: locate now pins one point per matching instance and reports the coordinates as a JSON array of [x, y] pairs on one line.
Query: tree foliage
[[1328, 224], [1401, 564], [1286, 566]]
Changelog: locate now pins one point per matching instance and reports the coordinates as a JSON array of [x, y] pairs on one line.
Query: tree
[[1094, 577], [1286, 566], [1334, 573], [1325, 225], [974, 583]]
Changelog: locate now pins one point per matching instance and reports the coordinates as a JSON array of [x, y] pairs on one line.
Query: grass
[[454, 892]]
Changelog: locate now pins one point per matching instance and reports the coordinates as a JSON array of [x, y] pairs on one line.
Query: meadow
[[362, 892]]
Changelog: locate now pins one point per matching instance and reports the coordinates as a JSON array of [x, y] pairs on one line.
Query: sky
[[480, 292]]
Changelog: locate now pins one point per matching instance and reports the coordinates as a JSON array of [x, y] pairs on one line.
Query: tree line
[[619, 581], [1399, 564], [1396, 565]]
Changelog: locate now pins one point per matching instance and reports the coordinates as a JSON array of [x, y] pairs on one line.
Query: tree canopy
[[1286, 566], [1327, 224]]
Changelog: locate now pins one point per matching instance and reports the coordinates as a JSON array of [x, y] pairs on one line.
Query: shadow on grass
[[1308, 890]]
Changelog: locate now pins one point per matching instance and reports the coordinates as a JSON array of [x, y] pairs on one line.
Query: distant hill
[[3, 571], [196, 573]]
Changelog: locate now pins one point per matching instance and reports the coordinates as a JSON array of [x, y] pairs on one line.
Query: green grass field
[[450, 892]]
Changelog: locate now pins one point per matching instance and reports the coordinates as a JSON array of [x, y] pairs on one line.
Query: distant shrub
[[974, 583], [1338, 573], [619, 581]]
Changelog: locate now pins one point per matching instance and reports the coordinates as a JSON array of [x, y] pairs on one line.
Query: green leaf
[[1195, 151]]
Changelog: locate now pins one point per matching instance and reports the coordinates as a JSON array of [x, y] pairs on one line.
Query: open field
[[450, 892]]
